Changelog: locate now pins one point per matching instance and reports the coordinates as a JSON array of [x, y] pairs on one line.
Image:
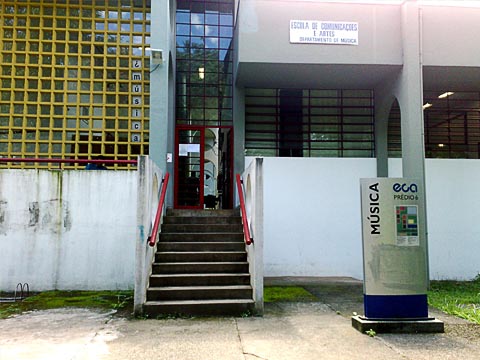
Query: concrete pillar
[[162, 88], [239, 130], [384, 99], [410, 94]]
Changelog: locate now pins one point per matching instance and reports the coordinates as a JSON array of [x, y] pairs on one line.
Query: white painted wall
[[453, 212], [77, 229], [253, 190], [67, 229], [149, 187], [312, 216]]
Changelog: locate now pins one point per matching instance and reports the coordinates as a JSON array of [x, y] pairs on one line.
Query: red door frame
[[201, 129]]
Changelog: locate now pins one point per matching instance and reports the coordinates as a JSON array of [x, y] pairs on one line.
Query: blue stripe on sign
[[395, 306]]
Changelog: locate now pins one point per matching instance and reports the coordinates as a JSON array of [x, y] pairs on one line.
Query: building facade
[[326, 92]]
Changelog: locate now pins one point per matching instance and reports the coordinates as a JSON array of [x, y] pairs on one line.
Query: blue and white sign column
[[394, 249]]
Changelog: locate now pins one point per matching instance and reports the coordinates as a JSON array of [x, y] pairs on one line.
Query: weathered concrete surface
[[67, 229], [57, 334], [315, 330]]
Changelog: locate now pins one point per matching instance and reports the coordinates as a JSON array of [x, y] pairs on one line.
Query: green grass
[[123, 300], [287, 294], [106, 300], [459, 298]]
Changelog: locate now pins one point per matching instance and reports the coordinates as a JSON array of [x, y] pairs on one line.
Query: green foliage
[[116, 300], [173, 316], [287, 293], [246, 314], [371, 333], [459, 298]]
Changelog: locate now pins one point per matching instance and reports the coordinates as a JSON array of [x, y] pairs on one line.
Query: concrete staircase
[[200, 266]]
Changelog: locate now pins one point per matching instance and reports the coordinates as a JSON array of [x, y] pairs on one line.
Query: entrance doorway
[[203, 167]]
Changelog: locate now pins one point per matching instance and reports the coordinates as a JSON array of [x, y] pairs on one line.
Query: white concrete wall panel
[[453, 212], [77, 229], [253, 194], [264, 33], [450, 35], [312, 216], [149, 186], [67, 229]]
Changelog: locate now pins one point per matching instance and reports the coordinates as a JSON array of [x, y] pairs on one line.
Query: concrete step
[[201, 246], [200, 236], [198, 256], [202, 228], [199, 292], [200, 267], [202, 220], [206, 213], [198, 307], [205, 279]]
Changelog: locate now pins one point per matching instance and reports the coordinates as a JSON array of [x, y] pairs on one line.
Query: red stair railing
[[152, 239], [246, 229]]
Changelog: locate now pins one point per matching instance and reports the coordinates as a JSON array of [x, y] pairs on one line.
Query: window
[[452, 126], [204, 31], [309, 123]]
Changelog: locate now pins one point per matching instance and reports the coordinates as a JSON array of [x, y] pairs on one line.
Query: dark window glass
[[204, 73], [452, 126], [309, 123]]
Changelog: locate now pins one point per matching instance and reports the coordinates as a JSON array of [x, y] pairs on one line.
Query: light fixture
[[156, 55], [426, 106], [441, 145], [201, 73], [445, 94]]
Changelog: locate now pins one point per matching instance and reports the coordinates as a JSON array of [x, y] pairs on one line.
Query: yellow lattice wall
[[74, 79]]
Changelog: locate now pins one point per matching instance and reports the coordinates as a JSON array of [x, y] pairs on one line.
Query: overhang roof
[[351, 76]]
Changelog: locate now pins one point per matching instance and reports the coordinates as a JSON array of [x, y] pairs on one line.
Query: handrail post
[[246, 229], [152, 239]]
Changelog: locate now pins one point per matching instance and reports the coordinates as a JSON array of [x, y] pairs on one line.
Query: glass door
[[203, 168], [189, 167]]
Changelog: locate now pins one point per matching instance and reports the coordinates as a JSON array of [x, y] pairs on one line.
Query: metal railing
[[246, 229], [65, 161], [152, 239], [22, 291]]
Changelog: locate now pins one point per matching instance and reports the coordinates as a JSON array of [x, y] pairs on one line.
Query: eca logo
[[397, 187]]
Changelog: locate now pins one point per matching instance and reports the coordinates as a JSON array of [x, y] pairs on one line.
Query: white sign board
[[323, 32], [184, 149]]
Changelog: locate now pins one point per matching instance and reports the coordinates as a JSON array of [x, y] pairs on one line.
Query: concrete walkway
[[313, 330]]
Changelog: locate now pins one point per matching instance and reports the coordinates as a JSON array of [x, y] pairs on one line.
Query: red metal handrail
[[152, 239], [63, 161], [246, 229]]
